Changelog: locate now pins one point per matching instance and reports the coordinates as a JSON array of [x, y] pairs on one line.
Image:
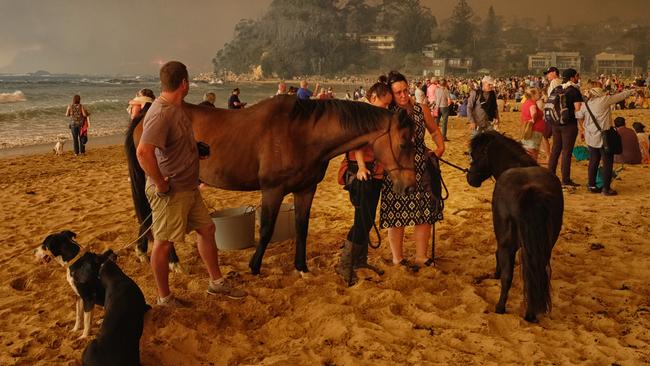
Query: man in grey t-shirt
[[169, 156]]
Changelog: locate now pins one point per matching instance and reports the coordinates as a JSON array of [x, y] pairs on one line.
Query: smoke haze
[[134, 37]]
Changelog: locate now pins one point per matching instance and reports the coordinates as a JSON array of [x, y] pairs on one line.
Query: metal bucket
[[235, 228], [285, 224]]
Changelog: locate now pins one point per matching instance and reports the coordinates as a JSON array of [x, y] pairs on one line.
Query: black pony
[[527, 209]]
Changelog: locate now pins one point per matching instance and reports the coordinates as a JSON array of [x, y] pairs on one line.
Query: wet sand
[[443, 315]]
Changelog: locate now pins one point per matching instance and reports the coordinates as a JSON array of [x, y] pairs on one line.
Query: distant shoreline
[[93, 142]]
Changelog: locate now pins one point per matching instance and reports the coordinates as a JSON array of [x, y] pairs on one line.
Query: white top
[[600, 107]]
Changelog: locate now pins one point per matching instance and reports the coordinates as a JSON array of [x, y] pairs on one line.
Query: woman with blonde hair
[[532, 121]]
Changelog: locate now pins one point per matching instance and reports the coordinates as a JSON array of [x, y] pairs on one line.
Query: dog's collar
[[82, 251]]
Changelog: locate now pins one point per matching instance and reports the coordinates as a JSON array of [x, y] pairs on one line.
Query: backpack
[[556, 112]]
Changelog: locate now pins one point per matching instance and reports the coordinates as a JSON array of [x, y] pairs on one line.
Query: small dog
[[58, 147], [82, 272], [118, 341]]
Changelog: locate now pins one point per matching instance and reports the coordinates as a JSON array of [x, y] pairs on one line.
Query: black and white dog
[[118, 342], [82, 272]]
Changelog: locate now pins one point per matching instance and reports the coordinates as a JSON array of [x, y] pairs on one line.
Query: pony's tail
[[138, 182], [535, 232]]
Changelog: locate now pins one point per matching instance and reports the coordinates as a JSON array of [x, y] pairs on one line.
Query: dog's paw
[[176, 267], [142, 256]]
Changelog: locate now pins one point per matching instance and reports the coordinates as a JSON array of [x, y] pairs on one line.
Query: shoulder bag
[[612, 143]]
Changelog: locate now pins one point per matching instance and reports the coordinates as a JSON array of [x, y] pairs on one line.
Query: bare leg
[[422, 236], [396, 240], [160, 267], [208, 250]]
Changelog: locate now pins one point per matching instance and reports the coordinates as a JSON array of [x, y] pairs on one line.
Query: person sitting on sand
[[420, 208], [364, 195], [644, 143], [631, 153], [142, 97], [77, 114]]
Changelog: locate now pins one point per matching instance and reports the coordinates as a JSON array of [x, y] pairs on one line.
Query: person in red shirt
[[531, 112]]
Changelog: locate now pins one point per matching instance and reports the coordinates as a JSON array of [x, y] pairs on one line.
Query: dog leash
[[145, 231]]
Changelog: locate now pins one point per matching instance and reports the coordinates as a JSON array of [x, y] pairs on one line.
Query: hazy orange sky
[[133, 37]]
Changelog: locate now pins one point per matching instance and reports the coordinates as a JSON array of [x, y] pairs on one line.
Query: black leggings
[[595, 154], [364, 195], [79, 147], [564, 139]]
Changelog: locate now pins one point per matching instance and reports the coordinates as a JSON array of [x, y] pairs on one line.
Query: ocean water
[[32, 109]]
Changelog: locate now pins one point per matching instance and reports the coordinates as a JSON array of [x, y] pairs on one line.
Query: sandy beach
[[443, 315]]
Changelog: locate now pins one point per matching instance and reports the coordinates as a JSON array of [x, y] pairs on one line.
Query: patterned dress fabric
[[415, 208]]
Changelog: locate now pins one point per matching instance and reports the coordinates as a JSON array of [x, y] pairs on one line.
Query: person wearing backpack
[[77, 114], [560, 111], [598, 106]]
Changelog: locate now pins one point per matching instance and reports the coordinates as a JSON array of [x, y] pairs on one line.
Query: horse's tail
[[138, 182], [535, 229]]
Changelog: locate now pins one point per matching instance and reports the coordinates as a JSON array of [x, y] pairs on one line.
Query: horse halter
[[390, 143]]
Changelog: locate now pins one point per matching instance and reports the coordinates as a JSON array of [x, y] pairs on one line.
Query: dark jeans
[[79, 147], [364, 196], [564, 139], [443, 117], [595, 154]]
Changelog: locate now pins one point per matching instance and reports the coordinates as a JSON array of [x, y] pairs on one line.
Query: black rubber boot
[[345, 268], [360, 258]]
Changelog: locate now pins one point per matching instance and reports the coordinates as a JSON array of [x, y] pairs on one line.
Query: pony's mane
[[357, 117], [505, 143]]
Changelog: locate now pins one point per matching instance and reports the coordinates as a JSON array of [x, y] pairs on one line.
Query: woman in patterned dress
[[416, 209]]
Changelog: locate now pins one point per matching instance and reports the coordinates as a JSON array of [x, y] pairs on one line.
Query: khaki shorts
[[177, 214]]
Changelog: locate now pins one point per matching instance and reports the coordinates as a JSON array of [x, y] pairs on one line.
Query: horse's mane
[[505, 143], [357, 117]]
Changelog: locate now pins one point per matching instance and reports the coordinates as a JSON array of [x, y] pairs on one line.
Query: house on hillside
[[449, 66], [562, 60], [431, 50], [614, 63], [379, 41]]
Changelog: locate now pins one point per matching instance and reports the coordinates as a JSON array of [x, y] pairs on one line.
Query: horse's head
[[479, 169], [394, 149]]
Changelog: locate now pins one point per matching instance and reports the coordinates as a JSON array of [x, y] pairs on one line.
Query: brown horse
[[283, 145]]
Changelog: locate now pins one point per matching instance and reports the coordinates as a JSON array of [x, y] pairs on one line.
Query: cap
[[552, 69], [569, 73]]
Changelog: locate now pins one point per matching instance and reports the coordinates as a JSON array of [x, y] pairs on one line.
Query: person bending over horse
[[364, 190], [420, 209], [169, 156]]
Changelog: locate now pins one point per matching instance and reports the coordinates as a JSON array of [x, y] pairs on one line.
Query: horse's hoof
[[305, 274], [175, 267], [500, 309], [531, 319], [255, 271]]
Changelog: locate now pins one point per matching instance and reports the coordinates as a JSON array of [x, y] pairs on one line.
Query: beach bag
[[556, 112], [581, 153], [527, 130], [612, 143]]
